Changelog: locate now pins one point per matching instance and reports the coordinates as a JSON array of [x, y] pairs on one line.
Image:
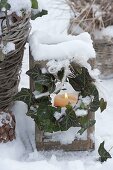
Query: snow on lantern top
[[45, 46]]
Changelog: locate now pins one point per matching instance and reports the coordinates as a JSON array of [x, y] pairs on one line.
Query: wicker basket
[[16, 33], [104, 60]]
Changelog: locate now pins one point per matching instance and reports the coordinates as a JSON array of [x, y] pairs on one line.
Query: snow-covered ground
[[21, 154]]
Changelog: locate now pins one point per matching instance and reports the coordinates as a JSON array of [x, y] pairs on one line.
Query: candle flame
[[66, 96]]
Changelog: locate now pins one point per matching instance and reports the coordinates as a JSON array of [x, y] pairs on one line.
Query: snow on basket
[[62, 97]]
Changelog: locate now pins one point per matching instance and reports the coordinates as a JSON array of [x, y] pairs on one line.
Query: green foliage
[[41, 109], [4, 4], [44, 80], [44, 118], [85, 124], [39, 14], [93, 92], [83, 106], [103, 104], [60, 74], [34, 73], [34, 4], [83, 82], [26, 96], [43, 115], [104, 155], [81, 79], [69, 119]]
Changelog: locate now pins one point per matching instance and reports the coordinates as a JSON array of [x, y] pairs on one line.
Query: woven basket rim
[[103, 41]]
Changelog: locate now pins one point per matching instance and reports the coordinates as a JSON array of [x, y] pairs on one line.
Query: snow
[[54, 66], [50, 38], [81, 112], [10, 46], [57, 19], [18, 5], [73, 50], [106, 33], [21, 154], [58, 115], [86, 100], [66, 137], [3, 119]]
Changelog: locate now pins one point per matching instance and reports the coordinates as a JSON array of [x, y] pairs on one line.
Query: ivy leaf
[[83, 82], [34, 73], [69, 119], [75, 84], [38, 87], [44, 100], [103, 104], [82, 106], [39, 14], [43, 12], [95, 104], [26, 96], [85, 124], [44, 117], [34, 4], [104, 155], [81, 79], [60, 74], [46, 79], [4, 4]]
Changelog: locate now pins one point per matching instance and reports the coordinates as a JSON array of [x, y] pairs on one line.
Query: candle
[[63, 100]]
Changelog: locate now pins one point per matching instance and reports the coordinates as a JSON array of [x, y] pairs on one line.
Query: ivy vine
[[41, 109]]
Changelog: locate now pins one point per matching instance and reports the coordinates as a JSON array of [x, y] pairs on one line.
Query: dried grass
[[91, 14]]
